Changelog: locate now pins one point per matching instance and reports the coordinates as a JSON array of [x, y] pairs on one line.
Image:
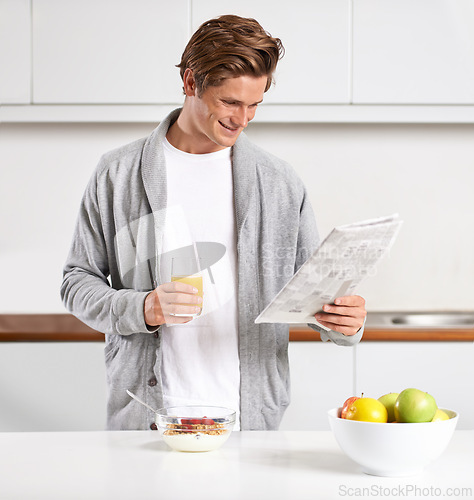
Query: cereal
[[210, 430]]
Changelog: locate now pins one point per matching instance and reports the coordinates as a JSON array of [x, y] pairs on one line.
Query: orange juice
[[196, 282]]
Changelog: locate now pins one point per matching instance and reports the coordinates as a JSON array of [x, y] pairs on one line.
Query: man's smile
[[229, 128]]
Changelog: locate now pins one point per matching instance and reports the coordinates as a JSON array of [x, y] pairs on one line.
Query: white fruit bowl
[[195, 428], [392, 449]]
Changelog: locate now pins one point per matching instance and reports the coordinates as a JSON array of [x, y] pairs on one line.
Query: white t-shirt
[[200, 362]]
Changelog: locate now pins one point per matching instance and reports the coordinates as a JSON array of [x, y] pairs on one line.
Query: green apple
[[440, 415], [388, 400], [413, 406]]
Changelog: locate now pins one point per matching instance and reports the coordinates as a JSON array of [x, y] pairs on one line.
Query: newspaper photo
[[347, 256]]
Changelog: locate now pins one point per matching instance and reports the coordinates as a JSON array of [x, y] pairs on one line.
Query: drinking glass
[[188, 270]]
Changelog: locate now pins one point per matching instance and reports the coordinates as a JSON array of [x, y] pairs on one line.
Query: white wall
[[424, 172]]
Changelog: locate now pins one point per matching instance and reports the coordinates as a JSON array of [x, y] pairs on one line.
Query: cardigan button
[[153, 427], [152, 382], [156, 335]]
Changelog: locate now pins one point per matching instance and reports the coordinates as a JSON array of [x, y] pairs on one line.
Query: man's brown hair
[[227, 47]]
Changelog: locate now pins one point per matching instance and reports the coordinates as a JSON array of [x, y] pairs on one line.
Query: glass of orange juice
[[189, 271]]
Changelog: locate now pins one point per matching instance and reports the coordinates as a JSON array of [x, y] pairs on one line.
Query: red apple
[[347, 404]]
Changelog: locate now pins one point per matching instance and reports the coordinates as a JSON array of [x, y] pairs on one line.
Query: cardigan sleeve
[[85, 290]]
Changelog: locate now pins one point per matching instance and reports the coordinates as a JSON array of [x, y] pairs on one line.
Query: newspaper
[[347, 256]]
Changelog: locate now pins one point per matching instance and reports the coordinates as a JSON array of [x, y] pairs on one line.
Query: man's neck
[[180, 135]]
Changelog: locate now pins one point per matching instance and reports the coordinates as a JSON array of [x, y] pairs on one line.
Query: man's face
[[221, 113]]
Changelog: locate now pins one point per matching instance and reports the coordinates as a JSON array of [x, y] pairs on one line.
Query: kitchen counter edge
[[67, 328]]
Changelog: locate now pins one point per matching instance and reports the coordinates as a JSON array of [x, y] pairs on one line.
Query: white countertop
[[251, 465]]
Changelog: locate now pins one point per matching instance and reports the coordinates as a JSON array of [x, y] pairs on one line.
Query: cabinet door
[[321, 378], [408, 52], [108, 51], [52, 387], [15, 43], [444, 369], [315, 68]]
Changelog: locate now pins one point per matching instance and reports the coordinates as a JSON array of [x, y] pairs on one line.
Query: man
[[198, 183]]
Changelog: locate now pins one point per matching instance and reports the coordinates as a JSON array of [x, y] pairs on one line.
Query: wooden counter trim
[[372, 334], [67, 328], [45, 328]]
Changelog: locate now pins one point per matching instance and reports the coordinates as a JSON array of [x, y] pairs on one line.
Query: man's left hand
[[346, 315]]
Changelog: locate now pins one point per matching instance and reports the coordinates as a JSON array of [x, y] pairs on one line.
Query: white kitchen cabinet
[[15, 53], [60, 386], [347, 61], [316, 37], [321, 378], [108, 51], [52, 386], [444, 369], [407, 52]]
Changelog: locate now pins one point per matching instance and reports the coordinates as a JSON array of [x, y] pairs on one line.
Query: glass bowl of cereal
[[195, 428]]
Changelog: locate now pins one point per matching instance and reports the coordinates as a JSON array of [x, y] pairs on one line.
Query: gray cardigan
[[276, 233]]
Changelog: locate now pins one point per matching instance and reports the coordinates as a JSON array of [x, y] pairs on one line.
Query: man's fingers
[[177, 320], [346, 330], [174, 309], [350, 300], [177, 286], [180, 298], [336, 319], [340, 310], [169, 299]]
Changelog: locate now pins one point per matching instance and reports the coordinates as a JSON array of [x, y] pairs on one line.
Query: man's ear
[[189, 83]]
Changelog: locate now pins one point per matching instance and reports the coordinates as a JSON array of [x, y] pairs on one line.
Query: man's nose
[[242, 117]]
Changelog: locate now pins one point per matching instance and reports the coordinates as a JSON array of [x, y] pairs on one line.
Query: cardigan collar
[[154, 171]]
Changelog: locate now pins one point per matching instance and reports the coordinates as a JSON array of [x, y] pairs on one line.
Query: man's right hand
[[169, 299]]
